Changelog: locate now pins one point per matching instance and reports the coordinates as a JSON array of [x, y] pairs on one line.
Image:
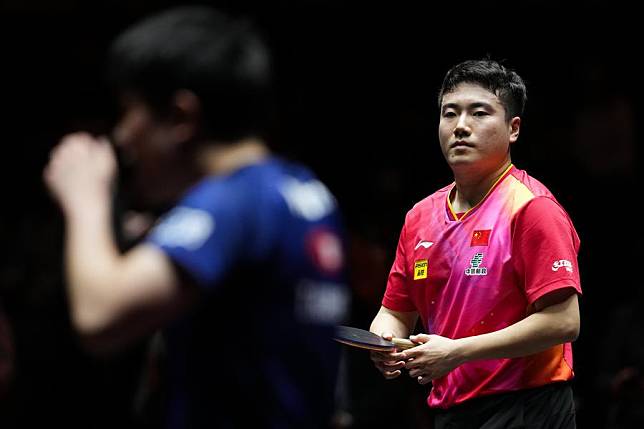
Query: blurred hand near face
[[81, 169]]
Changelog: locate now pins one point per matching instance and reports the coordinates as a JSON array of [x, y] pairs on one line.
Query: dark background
[[357, 85]]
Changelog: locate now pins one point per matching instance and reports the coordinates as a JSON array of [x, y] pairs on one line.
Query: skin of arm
[[389, 323], [114, 298], [555, 321]]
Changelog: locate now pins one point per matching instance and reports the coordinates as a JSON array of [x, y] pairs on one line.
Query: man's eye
[[481, 113], [449, 114]]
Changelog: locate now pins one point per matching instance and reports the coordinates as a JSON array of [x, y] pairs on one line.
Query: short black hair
[[221, 59], [491, 75]]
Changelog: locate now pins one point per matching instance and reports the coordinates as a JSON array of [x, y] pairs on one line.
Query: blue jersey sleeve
[[205, 233]]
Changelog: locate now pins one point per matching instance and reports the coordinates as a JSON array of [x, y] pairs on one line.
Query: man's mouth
[[460, 143]]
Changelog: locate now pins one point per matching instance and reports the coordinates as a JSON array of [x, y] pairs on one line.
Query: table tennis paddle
[[363, 339]]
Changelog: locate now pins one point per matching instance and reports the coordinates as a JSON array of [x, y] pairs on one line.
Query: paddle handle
[[403, 343]]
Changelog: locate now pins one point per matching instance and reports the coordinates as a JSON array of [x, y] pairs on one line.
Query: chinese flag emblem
[[481, 237]]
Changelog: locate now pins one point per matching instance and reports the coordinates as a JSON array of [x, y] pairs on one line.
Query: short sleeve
[[545, 246], [204, 234], [397, 293]]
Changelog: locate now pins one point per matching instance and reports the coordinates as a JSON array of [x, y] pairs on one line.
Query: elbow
[[570, 330], [573, 325], [92, 327], [563, 316], [88, 319], [573, 333]]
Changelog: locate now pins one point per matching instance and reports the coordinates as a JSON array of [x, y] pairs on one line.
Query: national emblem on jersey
[[420, 269], [475, 268], [481, 237]]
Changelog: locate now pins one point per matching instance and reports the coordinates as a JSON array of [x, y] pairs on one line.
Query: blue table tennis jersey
[[265, 244]]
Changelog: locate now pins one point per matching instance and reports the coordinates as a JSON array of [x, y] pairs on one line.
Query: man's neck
[[214, 160], [470, 188]]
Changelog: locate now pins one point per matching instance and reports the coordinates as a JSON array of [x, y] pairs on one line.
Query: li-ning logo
[[423, 243], [562, 263], [475, 268]]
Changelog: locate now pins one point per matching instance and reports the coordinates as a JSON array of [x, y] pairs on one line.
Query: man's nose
[[462, 128]]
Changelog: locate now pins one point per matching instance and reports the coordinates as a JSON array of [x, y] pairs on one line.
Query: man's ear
[[515, 126], [185, 115]]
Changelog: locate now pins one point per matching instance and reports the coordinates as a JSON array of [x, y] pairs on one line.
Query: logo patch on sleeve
[[185, 227], [420, 269], [562, 263]]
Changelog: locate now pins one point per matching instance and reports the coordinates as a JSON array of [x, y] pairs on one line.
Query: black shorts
[[549, 406]]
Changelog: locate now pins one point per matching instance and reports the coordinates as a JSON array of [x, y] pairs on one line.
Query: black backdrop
[[357, 87]]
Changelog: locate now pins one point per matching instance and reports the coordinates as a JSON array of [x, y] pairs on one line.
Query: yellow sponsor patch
[[420, 269]]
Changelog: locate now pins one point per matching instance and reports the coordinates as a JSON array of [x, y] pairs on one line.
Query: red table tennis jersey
[[480, 273]]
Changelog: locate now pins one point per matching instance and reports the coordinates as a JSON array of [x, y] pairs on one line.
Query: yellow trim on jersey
[[522, 194], [449, 203]]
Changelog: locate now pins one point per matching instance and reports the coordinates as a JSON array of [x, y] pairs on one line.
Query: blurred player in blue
[[246, 272]]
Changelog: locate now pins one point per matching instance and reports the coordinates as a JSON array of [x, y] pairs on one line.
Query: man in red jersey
[[489, 263]]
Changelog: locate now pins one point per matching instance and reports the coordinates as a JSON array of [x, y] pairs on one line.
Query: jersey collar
[[450, 210]]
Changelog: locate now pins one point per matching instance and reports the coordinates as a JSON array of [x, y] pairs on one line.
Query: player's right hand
[[81, 169], [388, 363]]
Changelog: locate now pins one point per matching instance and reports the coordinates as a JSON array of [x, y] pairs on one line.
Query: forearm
[[553, 325], [92, 260], [110, 295], [398, 324]]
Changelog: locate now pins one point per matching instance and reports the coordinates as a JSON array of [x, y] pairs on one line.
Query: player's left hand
[[433, 358], [81, 168]]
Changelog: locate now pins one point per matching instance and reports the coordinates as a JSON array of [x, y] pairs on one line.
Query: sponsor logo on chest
[[475, 268], [420, 269]]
